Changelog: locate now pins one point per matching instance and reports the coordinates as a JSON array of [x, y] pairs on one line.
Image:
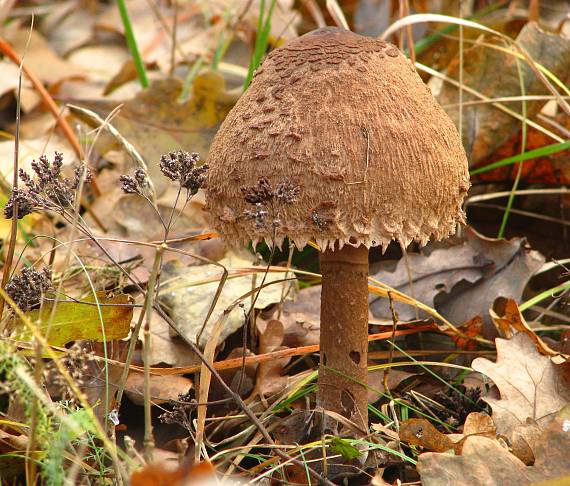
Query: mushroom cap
[[348, 121]]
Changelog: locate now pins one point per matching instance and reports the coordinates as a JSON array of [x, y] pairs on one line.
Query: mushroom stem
[[344, 334]]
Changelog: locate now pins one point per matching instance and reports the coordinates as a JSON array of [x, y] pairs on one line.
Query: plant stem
[[149, 302], [520, 164]]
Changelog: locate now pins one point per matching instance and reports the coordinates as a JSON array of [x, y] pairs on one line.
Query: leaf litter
[[465, 418]]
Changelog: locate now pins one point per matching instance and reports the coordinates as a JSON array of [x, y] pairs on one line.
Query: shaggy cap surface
[[347, 120]]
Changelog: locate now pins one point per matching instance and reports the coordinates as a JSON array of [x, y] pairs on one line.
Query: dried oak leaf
[[460, 279], [484, 462], [531, 386], [495, 73]]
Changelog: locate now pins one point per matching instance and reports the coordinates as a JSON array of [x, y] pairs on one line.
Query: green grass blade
[[132, 43], [511, 199], [544, 295], [531, 154], [263, 31]]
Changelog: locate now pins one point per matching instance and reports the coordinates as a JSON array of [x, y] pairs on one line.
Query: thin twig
[[149, 301]]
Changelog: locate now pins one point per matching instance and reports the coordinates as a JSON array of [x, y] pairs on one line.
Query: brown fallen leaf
[[301, 318], [507, 316], [471, 329], [548, 169], [461, 279], [69, 25], [187, 293], [484, 462], [12, 463], [494, 73], [40, 57], [155, 123], [422, 433], [531, 386], [270, 379], [234, 377], [376, 382], [478, 423], [162, 388], [167, 348], [159, 475]]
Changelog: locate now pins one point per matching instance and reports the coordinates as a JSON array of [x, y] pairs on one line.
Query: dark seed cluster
[[46, 188], [459, 403], [320, 222], [259, 215], [27, 288], [77, 360], [181, 412], [183, 167], [265, 198], [136, 184]]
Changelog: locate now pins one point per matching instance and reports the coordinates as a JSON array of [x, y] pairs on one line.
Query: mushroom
[[339, 141]]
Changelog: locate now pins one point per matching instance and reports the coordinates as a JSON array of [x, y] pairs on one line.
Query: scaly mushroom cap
[[347, 121]]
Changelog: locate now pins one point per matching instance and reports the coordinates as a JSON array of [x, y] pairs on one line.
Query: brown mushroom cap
[[348, 120]]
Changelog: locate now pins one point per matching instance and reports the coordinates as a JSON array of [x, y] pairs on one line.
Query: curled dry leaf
[[422, 433], [461, 280], [162, 388], [270, 380], [478, 423], [531, 385], [507, 317], [485, 461]]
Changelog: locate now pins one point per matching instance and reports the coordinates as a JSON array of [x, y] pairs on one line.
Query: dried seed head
[[26, 203], [27, 288], [141, 177], [262, 192], [258, 214], [82, 172], [47, 188], [287, 192], [182, 167], [136, 184], [129, 184]]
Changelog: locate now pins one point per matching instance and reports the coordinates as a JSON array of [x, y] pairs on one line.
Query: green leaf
[[344, 448], [72, 321]]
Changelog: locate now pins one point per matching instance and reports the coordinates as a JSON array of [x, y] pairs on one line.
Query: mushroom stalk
[[344, 334]]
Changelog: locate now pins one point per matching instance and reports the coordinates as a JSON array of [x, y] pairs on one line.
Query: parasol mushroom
[[339, 141]]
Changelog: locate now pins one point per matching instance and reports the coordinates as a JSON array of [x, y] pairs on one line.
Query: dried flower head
[[181, 413], [287, 192], [26, 204], [261, 193], [46, 188], [183, 167], [319, 221], [79, 362], [258, 214], [268, 199], [136, 184], [27, 288]]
